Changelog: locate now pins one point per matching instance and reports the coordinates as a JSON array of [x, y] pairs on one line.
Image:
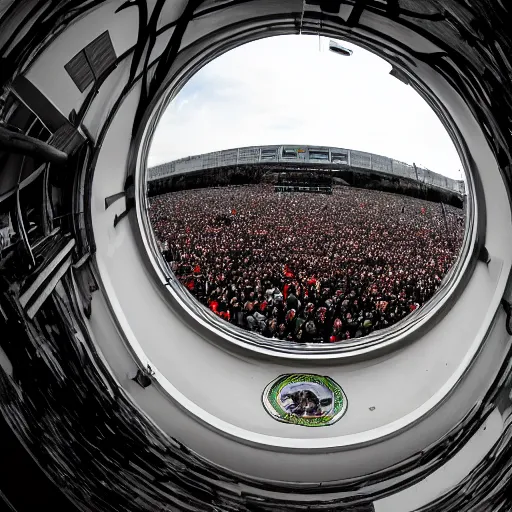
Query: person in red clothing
[[288, 272], [337, 335], [214, 306], [285, 291]]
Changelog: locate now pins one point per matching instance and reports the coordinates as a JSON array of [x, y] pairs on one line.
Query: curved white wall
[[419, 392]]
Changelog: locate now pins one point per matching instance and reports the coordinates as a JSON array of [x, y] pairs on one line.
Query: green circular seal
[[305, 399]]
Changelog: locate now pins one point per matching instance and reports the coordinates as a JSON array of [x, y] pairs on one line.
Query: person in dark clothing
[[270, 330], [292, 302]]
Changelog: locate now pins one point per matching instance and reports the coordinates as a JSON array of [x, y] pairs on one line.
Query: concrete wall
[[51, 78]]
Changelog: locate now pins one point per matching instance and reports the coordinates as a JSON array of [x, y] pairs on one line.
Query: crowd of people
[[307, 267]]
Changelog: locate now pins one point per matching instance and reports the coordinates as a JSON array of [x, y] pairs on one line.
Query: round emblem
[[305, 399]]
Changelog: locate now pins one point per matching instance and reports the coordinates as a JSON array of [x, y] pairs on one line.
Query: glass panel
[[318, 155], [303, 243], [339, 158], [289, 153]]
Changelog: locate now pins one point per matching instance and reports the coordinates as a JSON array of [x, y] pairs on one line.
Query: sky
[[293, 90]]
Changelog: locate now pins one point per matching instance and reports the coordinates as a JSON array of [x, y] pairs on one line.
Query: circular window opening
[[302, 193]]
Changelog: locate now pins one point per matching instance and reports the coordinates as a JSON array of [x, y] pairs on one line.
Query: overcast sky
[[293, 90]]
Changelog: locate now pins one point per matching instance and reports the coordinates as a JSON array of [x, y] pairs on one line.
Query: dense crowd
[[307, 267]]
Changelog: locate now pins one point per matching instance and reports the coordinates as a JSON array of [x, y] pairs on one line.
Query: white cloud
[[283, 90]]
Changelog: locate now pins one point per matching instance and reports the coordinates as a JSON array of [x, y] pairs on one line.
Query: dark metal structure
[[76, 433]]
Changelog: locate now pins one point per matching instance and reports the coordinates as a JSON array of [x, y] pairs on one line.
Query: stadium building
[[289, 163]]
